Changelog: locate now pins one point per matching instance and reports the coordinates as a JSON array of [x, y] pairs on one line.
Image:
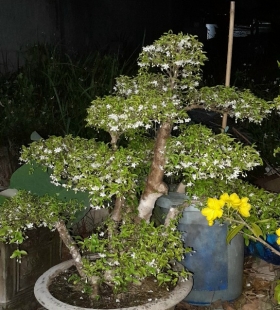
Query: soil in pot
[[136, 295]]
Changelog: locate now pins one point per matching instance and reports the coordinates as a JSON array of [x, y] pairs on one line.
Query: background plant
[[52, 90]]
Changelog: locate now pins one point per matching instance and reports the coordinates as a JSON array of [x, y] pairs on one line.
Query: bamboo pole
[[229, 54]]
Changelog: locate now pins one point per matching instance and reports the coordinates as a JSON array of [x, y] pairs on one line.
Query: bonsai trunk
[[155, 187], [75, 253]]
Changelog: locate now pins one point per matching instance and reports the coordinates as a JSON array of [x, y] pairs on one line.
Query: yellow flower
[[278, 234], [215, 203], [213, 210], [224, 197], [244, 207], [232, 201]]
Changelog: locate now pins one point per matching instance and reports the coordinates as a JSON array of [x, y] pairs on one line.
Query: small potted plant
[[151, 137]]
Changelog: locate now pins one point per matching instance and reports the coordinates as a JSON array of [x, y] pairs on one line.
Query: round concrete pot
[[44, 297]]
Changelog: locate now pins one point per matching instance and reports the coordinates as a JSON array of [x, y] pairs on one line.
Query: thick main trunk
[[116, 214], [155, 187]]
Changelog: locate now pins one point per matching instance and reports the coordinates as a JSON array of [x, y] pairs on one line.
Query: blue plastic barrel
[[217, 267], [259, 250]]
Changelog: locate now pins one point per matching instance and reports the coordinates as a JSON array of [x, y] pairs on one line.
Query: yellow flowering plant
[[253, 212], [215, 206]]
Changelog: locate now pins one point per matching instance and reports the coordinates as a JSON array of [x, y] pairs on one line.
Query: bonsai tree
[[151, 138]]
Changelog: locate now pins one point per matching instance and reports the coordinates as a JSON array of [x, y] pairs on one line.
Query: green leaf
[[233, 232], [256, 230], [18, 238], [18, 253], [277, 293]]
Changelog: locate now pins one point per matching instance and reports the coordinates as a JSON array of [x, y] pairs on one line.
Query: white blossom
[[57, 149]]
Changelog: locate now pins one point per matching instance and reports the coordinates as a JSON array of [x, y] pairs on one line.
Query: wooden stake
[[229, 54]]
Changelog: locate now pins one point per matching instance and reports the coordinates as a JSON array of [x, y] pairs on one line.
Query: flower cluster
[[215, 206], [197, 153], [278, 235], [235, 204], [239, 104]]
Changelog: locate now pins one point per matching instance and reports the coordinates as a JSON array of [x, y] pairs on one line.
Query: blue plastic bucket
[[217, 267], [259, 250]]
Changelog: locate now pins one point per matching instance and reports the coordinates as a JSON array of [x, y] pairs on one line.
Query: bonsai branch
[[75, 253]]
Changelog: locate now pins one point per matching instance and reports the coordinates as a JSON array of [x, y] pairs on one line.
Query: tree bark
[[155, 187], [116, 214], [75, 253], [72, 247]]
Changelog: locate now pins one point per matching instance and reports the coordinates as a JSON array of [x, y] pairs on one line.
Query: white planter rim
[[44, 297]]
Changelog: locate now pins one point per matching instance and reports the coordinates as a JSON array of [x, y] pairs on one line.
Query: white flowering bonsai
[[151, 138]]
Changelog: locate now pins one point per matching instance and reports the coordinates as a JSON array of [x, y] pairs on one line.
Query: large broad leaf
[[38, 183], [10, 192], [35, 136], [2, 199], [257, 230], [233, 232], [277, 292]]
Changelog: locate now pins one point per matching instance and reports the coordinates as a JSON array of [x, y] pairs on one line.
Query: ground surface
[[258, 290]]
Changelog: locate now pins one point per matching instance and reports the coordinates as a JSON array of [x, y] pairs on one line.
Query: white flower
[[57, 149], [152, 263], [149, 48], [142, 64], [180, 62], [114, 117], [165, 66], [114, 128], [102, 255]]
